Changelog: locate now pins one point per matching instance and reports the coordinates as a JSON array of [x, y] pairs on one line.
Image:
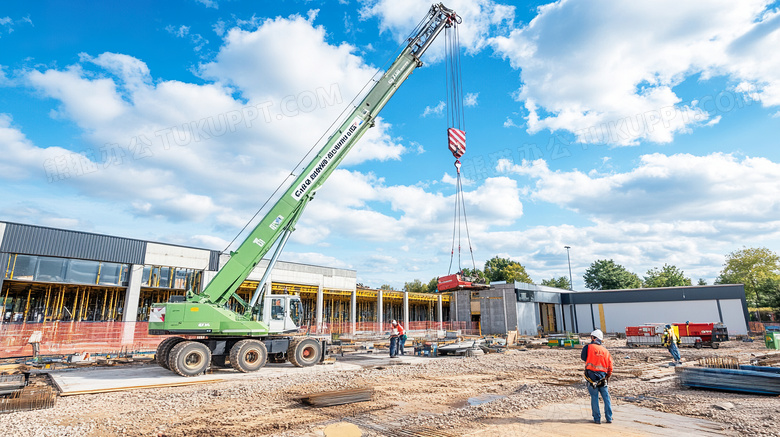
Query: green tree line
[[757, 268]]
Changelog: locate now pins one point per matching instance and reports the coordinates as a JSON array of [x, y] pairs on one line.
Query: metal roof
[[37, 240], [40, 240]]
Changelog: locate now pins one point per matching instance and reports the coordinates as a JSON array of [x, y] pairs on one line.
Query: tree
[[386, 287], [433, 285], [606, 275], [701, 282], [415, 286], [504, 269], [667, 276], [561, 282], [757, 268]]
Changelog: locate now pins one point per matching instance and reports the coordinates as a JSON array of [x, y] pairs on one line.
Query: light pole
[[571, 282]]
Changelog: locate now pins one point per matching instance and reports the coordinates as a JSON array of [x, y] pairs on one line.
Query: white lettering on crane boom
[[326, 160]]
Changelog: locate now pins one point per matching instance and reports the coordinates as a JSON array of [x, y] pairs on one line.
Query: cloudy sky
[[644, 132]]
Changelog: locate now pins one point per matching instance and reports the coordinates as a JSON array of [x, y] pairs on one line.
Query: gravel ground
[[432, 395]]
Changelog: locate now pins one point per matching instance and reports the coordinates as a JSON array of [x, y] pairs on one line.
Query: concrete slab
[[105, 379], [563, 420]]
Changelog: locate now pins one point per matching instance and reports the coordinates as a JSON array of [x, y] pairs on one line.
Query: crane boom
[[247, 339], [287, 210]]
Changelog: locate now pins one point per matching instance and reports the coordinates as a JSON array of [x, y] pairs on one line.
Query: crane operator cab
[[282, 312]]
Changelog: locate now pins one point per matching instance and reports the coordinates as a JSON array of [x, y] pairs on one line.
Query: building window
[[50, 270], [82, 272], [21, 267], [113, 274], [71, 271]]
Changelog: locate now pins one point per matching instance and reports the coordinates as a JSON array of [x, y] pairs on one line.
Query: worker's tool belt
[[600, 383]]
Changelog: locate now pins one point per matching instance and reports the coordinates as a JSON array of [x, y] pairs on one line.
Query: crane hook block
[[457, 142]]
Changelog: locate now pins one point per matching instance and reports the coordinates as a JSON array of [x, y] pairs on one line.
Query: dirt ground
[[452, 396]]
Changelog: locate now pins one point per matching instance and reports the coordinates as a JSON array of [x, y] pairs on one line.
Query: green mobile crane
[[263, 328]]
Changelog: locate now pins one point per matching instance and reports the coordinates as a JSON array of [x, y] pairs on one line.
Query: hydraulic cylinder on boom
[[263, 327]]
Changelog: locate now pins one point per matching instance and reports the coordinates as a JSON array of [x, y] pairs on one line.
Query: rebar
[[28, 398]]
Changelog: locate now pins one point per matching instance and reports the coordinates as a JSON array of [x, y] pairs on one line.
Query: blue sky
[[644, 132]]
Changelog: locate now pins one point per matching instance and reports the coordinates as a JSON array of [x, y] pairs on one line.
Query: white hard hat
[[394, 322], [598, 334]]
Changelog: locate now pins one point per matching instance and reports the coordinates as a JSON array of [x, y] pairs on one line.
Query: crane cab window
[[296, 311], [277, 309]]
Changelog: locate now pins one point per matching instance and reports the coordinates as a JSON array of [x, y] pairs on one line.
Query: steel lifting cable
[[456, 118]]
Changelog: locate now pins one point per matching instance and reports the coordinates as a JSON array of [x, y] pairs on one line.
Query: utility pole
[[571, 282]]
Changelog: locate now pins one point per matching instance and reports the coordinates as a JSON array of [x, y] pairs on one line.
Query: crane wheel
[[189, 358], [248, 355], [304, 352], [164, 351], [715, 345]]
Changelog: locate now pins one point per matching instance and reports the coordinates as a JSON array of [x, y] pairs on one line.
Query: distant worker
[[670, 342], [401, 337], [394, 339], [598, 370]]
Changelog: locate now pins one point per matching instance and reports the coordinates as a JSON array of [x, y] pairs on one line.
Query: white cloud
[[510, 123], [9, 23], [610, 76], [209, 3], [185, 151], [675, 187], [470, 99], [436, 111], [197, 39], [481, 17]]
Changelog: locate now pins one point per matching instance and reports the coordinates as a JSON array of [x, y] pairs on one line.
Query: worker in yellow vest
[[670, 341]]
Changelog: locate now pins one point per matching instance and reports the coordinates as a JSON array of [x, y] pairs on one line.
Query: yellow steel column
[[86, 306], [46, 305], [602, 319], [61, 303], [105, 299], [73, 313], [5, 300], [111, 306], [27, 305]]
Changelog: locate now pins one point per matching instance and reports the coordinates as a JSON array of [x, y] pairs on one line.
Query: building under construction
[[62, 275]]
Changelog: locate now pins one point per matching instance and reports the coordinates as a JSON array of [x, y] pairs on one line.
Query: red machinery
[[458, 282], [691, 334], [707, 334]]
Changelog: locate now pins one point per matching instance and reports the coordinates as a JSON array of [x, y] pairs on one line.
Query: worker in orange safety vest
[[401, 337], [598, 370]]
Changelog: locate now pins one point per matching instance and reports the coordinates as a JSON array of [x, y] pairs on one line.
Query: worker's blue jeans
[[674, 351], [393, 346], [594, 402]]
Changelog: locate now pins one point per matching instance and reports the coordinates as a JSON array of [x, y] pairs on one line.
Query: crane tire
[[164, 350], [715, 345], [248, 355], [189, 358], [304, 352]]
